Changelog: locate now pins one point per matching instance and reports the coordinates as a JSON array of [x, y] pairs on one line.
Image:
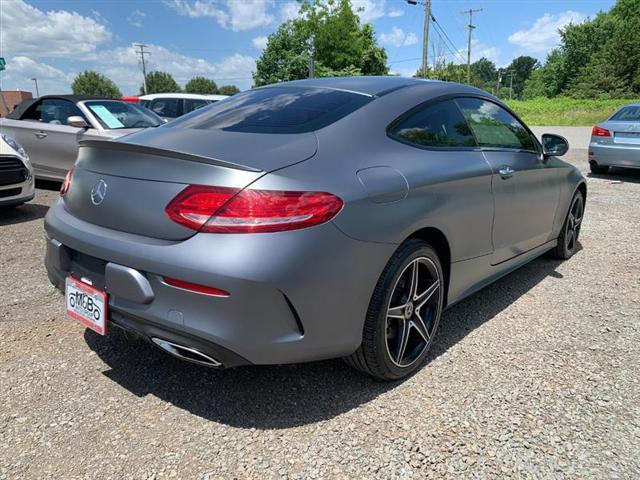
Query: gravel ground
[[535, 376]]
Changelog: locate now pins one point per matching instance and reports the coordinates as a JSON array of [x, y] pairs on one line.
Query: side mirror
[[554, 145], [77, 121]]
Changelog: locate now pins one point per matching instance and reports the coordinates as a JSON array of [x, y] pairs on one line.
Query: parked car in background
[[131, 99], [321, 218], [174, 105], [50, 127], [616, 141], [16, 173]]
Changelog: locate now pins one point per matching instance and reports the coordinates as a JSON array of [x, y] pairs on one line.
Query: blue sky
[[54, 40]]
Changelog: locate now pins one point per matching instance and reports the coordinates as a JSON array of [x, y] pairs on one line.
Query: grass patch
[[563, 111]]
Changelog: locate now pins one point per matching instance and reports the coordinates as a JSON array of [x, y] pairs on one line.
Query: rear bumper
[[295, 296], [614, 155], [17, 193]]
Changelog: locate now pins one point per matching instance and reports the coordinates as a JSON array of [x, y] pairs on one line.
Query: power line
[[454, 50], [142, 53]]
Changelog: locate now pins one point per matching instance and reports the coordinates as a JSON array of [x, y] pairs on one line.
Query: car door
[[525, 186], [51, 144]]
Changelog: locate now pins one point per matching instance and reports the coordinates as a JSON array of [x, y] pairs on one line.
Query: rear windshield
[[275, 110], [627, 114]]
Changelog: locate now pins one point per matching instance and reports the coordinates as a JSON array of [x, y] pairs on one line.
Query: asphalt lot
[[536, 376]]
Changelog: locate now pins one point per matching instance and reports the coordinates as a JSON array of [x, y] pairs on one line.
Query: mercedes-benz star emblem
[[98, 192]]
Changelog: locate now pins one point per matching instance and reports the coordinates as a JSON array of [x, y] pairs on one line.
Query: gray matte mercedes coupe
[[309, 220]]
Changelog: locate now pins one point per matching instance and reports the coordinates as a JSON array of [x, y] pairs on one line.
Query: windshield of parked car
[[113, 115], [275, 110], [627, 114]]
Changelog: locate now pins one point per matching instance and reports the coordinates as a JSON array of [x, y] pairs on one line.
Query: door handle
[[40, 134], [506, 172]]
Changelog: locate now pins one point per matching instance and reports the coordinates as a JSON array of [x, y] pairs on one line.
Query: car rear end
[[199, 249], [616, 142]]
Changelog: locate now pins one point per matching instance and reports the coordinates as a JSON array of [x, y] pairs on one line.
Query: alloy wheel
[[412, 312], [574, 222]]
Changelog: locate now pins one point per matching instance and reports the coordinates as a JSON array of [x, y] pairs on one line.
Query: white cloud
[[479, 50], [234, 14], [31, 32], [136, 18], [21, 69], [396, 13], [260, 42], [543, 34], [398, 38], [121, 65], [368, 10], [289, 11]]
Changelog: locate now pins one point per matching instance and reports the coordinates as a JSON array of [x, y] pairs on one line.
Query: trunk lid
[[624, 133], [125, 185]]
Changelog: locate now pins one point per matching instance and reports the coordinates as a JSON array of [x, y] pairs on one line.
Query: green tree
[[228, 90], [95, 84], [484, 73], [599, 58], [201, 85], [518, 72], [330, 32], [160, 82]]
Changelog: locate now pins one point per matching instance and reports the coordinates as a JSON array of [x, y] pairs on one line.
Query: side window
[[439, 125], [191, 104], [165, 107], [52, 110], [493, 126]]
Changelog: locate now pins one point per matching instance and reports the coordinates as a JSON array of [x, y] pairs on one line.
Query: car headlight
[[15, 145]]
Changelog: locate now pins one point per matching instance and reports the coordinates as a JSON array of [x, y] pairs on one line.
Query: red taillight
[[224, 210], [194, 205], [600, 132], [195, 287], [67, 182]]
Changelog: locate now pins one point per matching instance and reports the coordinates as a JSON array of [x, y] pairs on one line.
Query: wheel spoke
[[570, 236], [413, 286], [420, 327], [402, 340], [424, 297], [396, 312]]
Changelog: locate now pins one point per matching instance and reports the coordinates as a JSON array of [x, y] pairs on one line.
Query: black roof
[[25, 104], [374, 86]]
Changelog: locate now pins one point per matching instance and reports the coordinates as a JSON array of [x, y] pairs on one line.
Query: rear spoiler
[[161, 152]]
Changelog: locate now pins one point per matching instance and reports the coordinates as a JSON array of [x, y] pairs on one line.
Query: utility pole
[[498, 82], [35, 80], [312, 58], [511, 85], [142, 53], [471, 26], [425, 44]]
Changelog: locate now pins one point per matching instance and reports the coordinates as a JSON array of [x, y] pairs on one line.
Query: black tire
[[598, 169], [568, 239], [381, 353]]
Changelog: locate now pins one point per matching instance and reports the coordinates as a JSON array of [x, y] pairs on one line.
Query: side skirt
[[469, 276]]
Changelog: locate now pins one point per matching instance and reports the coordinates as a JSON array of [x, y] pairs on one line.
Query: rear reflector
[[194, 287], [67, 182], [224, 210], [600, 132]]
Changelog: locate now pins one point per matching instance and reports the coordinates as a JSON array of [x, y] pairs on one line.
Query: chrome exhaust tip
[[186, 353]]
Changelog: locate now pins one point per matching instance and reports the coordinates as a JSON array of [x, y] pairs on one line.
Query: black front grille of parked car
[[10, 192], [12, 170]]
